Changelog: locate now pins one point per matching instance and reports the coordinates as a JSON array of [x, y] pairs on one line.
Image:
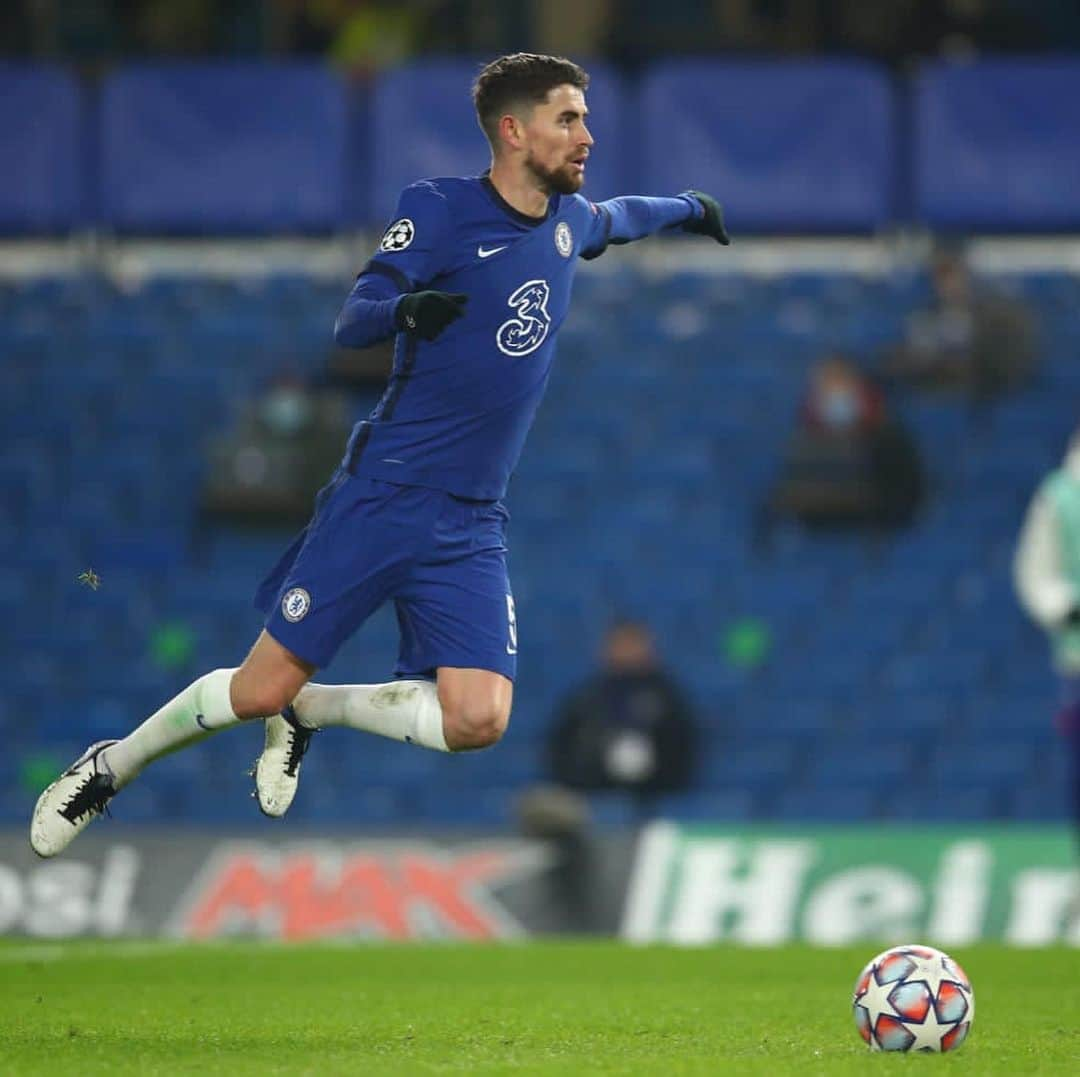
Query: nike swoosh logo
[[487, 254]]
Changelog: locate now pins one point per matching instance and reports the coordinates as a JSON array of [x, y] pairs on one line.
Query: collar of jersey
[[517, 215]]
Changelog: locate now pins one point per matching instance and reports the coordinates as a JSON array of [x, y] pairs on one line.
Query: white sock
[[198, 711], [402, 710]]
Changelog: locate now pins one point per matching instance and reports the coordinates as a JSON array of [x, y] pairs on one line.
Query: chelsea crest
[[564, 239]]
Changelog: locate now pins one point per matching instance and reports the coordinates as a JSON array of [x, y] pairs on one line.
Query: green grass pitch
[[545, 1008]]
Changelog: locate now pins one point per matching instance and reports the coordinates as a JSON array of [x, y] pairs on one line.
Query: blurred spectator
[[568, 27], [306, 27], [169, 27], [371, 34], [849, 462], [285, 447], [628, 730], [970, 339], [967, 27], [1047, 576], [628, 727], [16, 30], [375, 34]]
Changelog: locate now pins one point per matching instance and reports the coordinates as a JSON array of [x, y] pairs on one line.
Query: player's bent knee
[[474, 726], [261, 700]]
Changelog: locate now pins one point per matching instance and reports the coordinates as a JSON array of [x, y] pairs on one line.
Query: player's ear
[[511, 132]]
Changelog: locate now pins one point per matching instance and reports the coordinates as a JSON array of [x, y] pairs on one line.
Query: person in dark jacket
[[971, 338], [849, 461], [628, 727]]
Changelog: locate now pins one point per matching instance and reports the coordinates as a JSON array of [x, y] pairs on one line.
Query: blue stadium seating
[[790, 146], [43, 180], [414, 140], [997, 146], [901, 681], [223, 148], [771, 137]]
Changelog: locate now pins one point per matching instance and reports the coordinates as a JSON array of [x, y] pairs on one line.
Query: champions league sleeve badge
[[398, 236]]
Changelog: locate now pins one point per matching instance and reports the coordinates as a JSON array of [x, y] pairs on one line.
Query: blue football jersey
[[457, 410]]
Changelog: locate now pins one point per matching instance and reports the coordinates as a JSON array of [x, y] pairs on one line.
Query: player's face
[[558, 141]]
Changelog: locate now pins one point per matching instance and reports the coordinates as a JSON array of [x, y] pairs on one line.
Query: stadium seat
[[767, 136], [983, 136], [945, 805], [44, 182], [851, 804], [222, 148]]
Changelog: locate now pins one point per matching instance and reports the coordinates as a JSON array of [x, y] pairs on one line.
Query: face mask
[[286, 411], [839, 408]]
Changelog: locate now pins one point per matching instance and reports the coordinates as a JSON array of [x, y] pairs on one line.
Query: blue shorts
[[442, 559]]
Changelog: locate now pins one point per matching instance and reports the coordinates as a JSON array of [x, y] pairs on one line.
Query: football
[[913, 998]]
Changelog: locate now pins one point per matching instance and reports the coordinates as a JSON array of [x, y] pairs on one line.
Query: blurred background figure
[[375, 34], [970, 339], [628, 727], [286, 444], [849, 461], [1047, 574]]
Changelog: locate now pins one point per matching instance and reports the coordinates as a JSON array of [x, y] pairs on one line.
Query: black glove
[[1072, 618], [712, 224], [427, 314]]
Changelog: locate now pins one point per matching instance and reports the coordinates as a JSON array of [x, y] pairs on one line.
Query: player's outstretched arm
[[369, 312], [631, 217]]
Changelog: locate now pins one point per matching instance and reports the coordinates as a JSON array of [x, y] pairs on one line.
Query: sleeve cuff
[[697, 210]]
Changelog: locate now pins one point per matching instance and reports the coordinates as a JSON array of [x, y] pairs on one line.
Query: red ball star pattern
[[913, 998]]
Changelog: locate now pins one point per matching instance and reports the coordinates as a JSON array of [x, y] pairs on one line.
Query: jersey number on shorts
[[526, 331], [511, 616]]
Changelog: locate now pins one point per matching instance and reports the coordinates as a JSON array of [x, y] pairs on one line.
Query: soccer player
[[473, 276]]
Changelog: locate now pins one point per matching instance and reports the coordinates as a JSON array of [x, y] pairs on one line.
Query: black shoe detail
[[299, 741], [92, 797]]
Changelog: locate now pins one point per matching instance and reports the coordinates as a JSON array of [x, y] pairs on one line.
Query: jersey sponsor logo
[[295, 605], [525, 332], [398, 236], [564, 239], [487, 252], [511, 617]]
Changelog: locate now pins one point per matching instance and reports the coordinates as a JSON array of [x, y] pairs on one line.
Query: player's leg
[[457, 618], [475, 706], [268, 679], [359, 551], [463, 709], [457, 625]]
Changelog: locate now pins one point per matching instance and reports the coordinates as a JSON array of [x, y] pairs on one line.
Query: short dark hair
[[517, 79]]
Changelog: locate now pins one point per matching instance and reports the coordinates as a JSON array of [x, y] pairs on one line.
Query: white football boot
[[277, 770], [65, 809]]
